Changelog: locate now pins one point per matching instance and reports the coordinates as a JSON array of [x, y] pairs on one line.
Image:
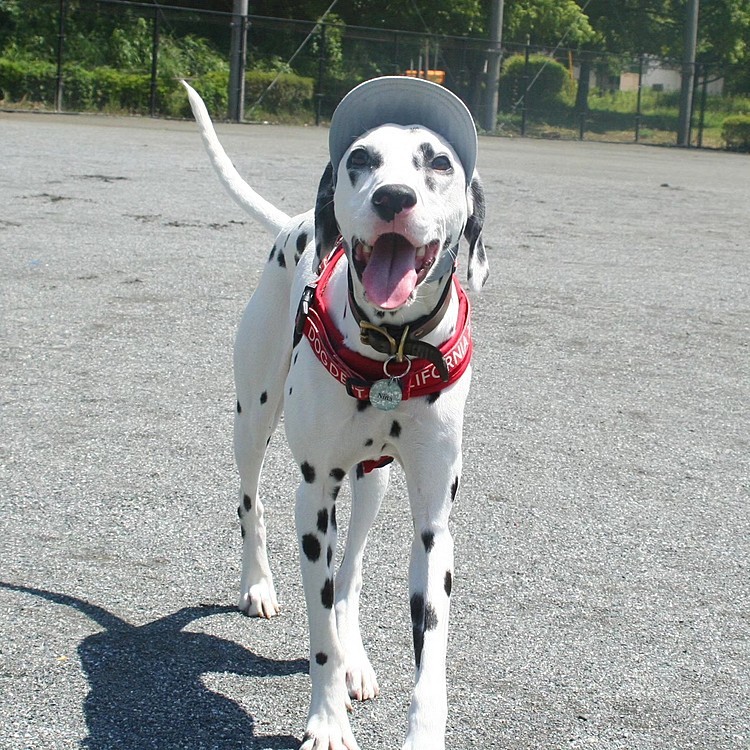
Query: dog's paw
[[328, 731], [414, 742], [259, 600], [361, 681]]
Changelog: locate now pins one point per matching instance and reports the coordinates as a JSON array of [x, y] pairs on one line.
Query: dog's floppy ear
[[478, 269], [326, 228]]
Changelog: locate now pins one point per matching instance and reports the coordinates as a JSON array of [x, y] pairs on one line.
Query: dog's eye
[[441, 163], [359, 158]]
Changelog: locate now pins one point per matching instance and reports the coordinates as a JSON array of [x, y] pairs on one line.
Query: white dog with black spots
[[397, 202]]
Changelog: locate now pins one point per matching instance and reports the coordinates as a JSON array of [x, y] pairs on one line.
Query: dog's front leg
[[367, 494], [327, 723], [430, 581]]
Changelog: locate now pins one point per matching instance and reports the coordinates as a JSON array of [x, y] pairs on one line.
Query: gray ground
[[602, 534]]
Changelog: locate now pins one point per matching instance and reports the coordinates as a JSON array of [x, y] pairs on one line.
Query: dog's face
[[400, 202]]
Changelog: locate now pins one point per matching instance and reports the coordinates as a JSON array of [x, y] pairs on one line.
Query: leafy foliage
[[547, 21], [736, 133], [546, 83]]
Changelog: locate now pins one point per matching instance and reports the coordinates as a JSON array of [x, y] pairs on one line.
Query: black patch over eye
[[441, 163], [358, 159]]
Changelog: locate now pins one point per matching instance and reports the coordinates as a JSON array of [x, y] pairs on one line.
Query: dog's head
[[401, 200]]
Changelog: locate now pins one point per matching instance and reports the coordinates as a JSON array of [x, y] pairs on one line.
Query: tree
[[547, 22], [655, 27]]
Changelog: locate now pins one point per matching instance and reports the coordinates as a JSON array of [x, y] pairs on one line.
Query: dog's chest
[[319, 411]]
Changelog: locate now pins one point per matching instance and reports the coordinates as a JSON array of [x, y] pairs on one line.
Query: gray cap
[[404, 101]]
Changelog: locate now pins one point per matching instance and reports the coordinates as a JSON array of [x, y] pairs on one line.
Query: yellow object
[[436, 76]]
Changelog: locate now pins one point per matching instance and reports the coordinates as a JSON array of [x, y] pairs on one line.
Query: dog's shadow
[[145, 682]]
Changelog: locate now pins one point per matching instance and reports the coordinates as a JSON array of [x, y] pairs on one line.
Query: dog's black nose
[[392, 199]]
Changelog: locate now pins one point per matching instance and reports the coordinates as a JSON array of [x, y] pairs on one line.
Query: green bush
[[291, 93], [735, 131], [551, 87], [214, 90], [113, 90], [27, 80]]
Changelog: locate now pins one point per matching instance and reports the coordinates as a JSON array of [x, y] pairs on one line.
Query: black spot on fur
[[335, 492], [368, 442], [326, 593], [430, 617], [395, 429], [295, 358], [329, 556], [301, 242], [454, 489], [333, 518], [321, 658], [273, 252], [428, 152], [323, 520], [428, 539], [308, 472], [311, 547], [291, 388], [239, 408], [423, 618], [416, 605], [240, 511], [338, 474], [242, 531], [433, 397], [247, 502], [360, 470], [263, 397], [362, 405], [448, 582], [379, 313], [282, 260]]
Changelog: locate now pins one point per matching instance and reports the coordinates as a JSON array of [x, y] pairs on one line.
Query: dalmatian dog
[[371, 364]]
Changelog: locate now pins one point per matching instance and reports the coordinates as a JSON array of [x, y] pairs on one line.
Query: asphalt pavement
[[602, 588]]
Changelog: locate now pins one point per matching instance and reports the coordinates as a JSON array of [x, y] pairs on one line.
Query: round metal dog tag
[[385, 394]]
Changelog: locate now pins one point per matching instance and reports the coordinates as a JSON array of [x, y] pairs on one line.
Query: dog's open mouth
[[391, 269]]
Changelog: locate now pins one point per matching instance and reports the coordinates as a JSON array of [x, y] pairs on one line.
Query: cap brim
[[404, 101]]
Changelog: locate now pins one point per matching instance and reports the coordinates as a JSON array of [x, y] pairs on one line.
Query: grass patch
[[612, 117]]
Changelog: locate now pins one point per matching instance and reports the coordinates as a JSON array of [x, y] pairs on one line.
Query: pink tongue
[[389, 277]]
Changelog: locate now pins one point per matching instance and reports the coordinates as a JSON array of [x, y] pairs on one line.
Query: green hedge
[[551, 82], [114, 90], [735, 131]]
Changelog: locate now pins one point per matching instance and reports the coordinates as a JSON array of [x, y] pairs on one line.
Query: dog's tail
[[258, 207]]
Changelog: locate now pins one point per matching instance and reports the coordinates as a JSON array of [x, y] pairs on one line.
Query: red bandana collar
[[357, 373]]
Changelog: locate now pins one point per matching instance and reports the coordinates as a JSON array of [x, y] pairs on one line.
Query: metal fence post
[[704, 93], [525, 84], [638, 102], [321, 66], [154, 62], [60, 55], [494, 61], [688, 73], [237, 61]]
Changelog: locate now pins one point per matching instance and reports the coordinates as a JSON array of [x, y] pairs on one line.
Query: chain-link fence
[[117, 55]]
